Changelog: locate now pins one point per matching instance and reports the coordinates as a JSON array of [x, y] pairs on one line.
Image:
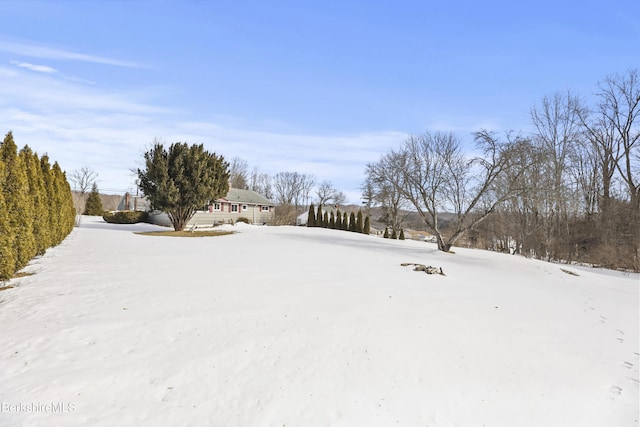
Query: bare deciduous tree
[[261, 183], [82, 180], [291, 191], [558, 132], [620, 108], [437, 177], [239, 173], [384, 186], [328, 194]]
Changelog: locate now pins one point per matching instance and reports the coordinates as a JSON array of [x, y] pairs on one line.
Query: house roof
[[246, 196]]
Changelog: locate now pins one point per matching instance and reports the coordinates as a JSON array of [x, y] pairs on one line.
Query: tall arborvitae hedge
[[394, 235], [7, 234], [49, 214], [366, 229], [36, 207], [38, 195], [359, 222], [16, 197], [339, 221], [311, 216], [93, 206], [352, 222], [65, 202], [386, 233], [319, 216], [401, 234]]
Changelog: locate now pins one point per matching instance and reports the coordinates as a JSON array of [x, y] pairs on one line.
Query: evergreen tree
[[180, 180], [7, 236], [319, 216], [352, 222], [311, 217], [345, 221], [37, 198], [338, 220], [401, 234], [94, 203], [359, 222], [332, 221], [48, 215], [386, 233], [69, 210], [18, 204], [366, 229], [64, 212], [394, 235], [325, 219]]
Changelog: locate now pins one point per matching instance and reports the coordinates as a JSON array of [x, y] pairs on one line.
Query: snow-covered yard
[[286, 326]]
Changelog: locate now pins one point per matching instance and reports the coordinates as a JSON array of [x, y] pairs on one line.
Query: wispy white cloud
[[33, 67], [88, 125], [35, 50]]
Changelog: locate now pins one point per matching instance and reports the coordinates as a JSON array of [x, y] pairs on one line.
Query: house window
[[216, 207], [234, 208], [244, 208], [265, 209]]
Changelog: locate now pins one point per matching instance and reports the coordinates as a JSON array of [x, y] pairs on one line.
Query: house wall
[[208, 218], [224, 212]]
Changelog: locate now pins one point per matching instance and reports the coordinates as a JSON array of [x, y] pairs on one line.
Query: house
[[237, 204], [240, 203]]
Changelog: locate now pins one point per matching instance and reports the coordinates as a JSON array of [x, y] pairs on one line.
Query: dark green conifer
[[401, 234], [93, 206], [359, 222], [386, 233], [318, 222], [332, 221], [338, 220], [345, 221], [352, 222], [366, 229], [394, 235], [325, 220], [311, 217]]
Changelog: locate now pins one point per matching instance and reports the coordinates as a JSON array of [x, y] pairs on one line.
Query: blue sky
[[314, 87]]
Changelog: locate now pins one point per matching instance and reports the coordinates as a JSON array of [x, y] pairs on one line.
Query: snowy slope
[[285, 326]]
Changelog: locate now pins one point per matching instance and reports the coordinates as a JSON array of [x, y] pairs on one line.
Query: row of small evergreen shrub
[[125, 217], [338, 221], [36, 206], [394, 235]]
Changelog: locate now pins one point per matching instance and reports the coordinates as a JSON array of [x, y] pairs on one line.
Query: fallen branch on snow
[[427, 269]]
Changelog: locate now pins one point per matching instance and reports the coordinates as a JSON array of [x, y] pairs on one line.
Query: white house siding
[[209, 219], [237, 204]]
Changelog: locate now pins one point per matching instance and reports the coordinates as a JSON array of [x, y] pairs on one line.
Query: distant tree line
[[569, 191], [36, 206], [338, 220]]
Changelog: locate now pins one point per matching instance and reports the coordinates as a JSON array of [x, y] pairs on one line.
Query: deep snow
[[286, 326]]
